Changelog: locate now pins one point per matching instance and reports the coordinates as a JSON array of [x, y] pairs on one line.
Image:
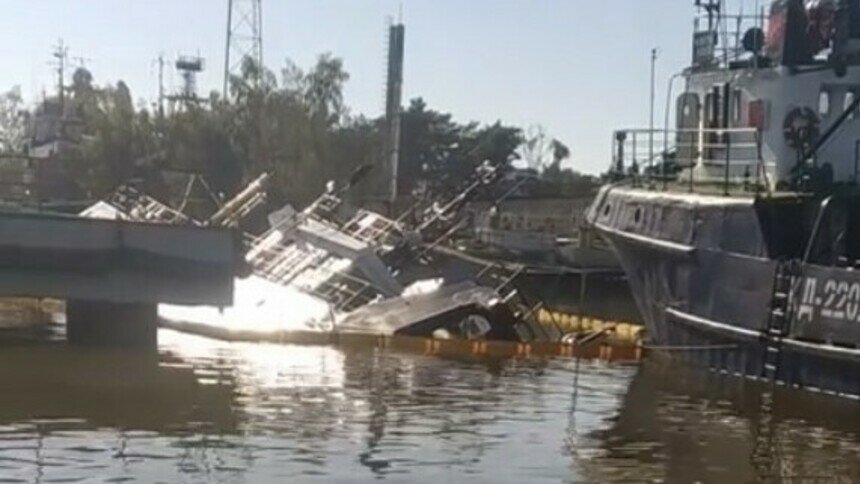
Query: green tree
[[13, 121], [440, 153], [296, 126]]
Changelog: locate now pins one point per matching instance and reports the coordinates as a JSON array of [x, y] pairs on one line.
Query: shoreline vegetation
[[294, 124]]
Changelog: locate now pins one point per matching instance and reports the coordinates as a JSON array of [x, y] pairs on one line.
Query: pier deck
[[114, 261], [113, 273]]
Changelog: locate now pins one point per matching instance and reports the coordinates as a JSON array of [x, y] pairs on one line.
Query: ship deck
[[735, 191]]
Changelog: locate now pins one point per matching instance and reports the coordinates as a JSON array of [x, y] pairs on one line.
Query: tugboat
[[739, 228]]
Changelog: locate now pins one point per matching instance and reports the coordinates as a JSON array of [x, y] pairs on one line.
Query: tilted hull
[[699, 271]]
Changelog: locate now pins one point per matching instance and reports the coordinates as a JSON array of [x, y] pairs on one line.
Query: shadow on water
[[73, 412], [107, 388]]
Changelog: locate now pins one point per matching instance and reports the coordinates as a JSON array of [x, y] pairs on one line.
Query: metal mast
[[160, 87], [61, 54], [393, 95], [244, 37], [188, 67]]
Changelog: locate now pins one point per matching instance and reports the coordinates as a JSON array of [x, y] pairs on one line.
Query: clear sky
[[580, 68]]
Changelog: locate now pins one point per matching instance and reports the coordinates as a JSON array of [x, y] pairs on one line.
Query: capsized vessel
[[318, 270]]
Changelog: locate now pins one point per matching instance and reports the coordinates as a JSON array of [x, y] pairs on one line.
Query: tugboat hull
[[706, 291]]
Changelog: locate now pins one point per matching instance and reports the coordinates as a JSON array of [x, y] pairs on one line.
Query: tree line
[[293, 124]]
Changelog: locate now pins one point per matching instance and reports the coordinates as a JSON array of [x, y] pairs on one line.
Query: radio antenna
[[712, 8]]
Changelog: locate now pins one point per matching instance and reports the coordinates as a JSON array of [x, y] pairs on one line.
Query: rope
[[691, 348]]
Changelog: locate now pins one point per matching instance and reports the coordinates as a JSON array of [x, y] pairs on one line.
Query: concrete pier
[[113, 273]]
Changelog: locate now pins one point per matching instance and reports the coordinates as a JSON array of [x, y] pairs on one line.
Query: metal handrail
[[276, 249], [816, 228], [140, 206], [732, 148], [376, 233], [729, 30]]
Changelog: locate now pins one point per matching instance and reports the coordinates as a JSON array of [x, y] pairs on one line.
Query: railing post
[[633, 163], [728, 138], [692, 168], [726, 114], [762, 166], [620, 139], [665, 154]]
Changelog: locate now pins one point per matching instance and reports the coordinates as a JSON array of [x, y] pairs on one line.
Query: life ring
[[801, 127]]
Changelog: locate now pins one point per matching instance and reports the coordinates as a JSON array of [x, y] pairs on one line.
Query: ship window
[[637, 215], [824, 103]]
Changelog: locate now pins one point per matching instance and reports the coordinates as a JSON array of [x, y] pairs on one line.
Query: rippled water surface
[[208, 411]]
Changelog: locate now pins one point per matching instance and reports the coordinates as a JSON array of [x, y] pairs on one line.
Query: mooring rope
[[691, 347]]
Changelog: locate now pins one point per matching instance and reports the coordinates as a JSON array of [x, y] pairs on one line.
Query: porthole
[[606, 209]]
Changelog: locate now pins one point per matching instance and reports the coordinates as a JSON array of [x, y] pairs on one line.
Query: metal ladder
[[282, 263], [370, 227], [779, 319], [288, 264]]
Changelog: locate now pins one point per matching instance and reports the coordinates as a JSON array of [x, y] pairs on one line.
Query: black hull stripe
[[829, 350], [644, 239], [714, 325]]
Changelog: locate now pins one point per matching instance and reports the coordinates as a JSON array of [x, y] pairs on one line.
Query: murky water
[[207, 411]]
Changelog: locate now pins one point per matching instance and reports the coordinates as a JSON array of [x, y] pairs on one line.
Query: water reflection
[[206, 411], [678, 424]]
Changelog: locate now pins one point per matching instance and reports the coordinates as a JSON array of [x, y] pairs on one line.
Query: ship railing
[[309, 270], [322, 209], [371, 228], [281, 263], [698, 158], [719, 40], [142, 207]]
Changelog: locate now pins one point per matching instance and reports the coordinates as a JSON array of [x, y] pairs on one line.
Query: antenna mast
[[161, 86], [244, 38], [61, 53], [188, 67], [713, 8]]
